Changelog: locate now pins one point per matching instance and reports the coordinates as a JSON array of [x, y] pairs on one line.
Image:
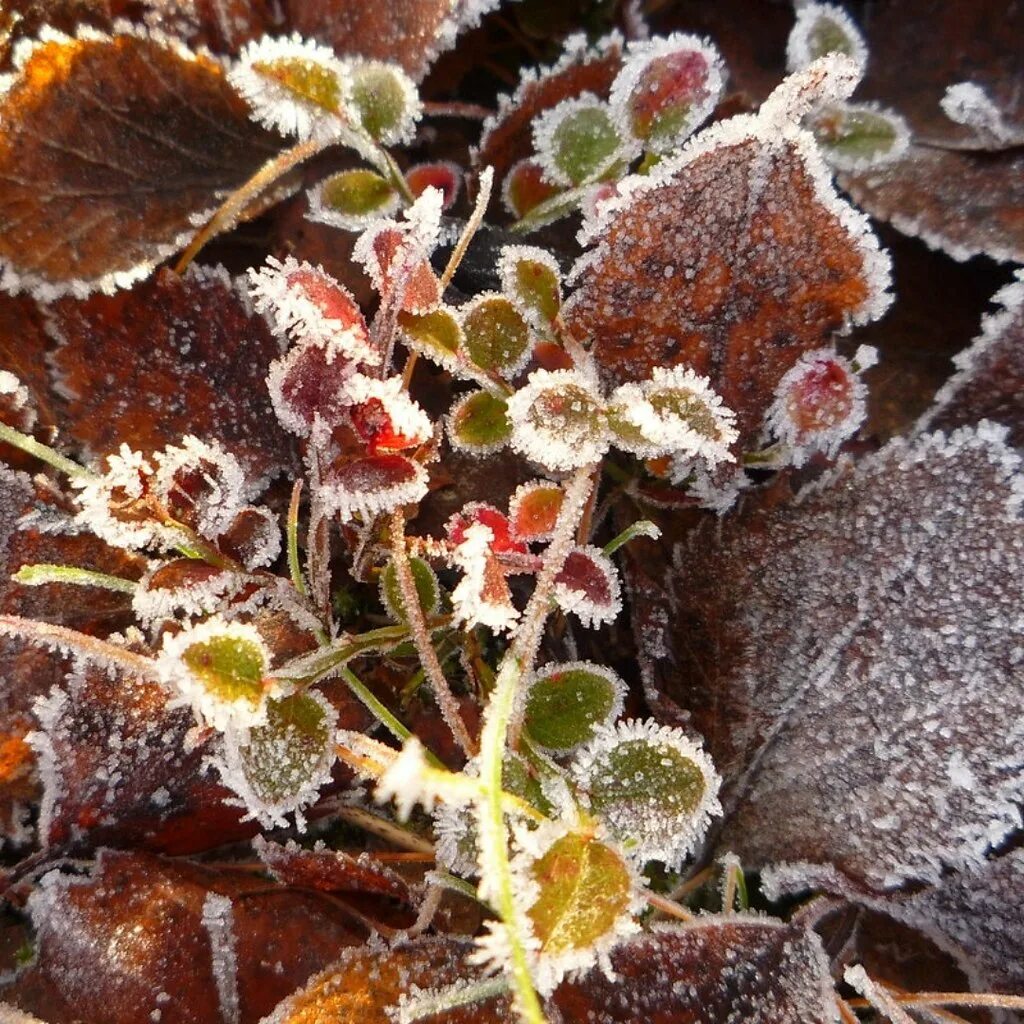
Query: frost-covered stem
[[308, 669], [994, 1000], [44, 453], [495, 871], [476, 218], [446, 701], [43, 572], [292, 531], [587, 516], [641, 528], [666, 906], [691, 884], [470, 111], [318, 553], [430, 1003], [395, 176], [226, 215], [61, 638]]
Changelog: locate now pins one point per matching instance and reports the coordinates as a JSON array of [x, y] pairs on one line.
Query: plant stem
[[44, 452], [292, 530], [472, 226], [226, 215], [667, 906], [42, 573], [421, 637], [497, 884]]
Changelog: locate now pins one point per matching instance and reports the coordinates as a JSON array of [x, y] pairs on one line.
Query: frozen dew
[[532, 278], [305, 303], [407, 781], [588, 586], [559, 420], [819, 404], [968, 104], [666, 89], [583, 901], [478, 423], [821, 29], [16, 407], [367, 486], [533, 509], [218, 919], [578, 141], [220, 669], [652, 786], [828, 79], [352, 200], [293, 86], [383, 100], [567, 702], [857, 136], [279, 766]]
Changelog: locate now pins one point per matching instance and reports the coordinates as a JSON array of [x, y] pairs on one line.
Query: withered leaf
[[989, 383], [757, 971], [201, 946], [961, 203], [413, 33], [735, 258], [117, 769], [852, 660], [172, 356], [111, 148], [507, 136]]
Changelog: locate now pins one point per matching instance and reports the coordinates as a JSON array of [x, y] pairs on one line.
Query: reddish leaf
[[851, 661], [200, 946], [331, 870], [111, 148], [757, 971], [734, 258], [507, 136], [989, 383], [173, 356], [412, 33]]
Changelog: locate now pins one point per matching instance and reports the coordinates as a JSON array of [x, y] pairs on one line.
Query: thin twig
[[471, 228], [669, 907]]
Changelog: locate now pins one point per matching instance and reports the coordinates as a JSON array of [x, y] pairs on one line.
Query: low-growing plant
[[481, 431]]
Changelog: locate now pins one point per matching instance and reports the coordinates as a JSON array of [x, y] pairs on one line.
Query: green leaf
[[479, 423], [427, 589], [384, 100], [306, 79], [855, 136], [581, 142], [357, 193], [496, 335], [531, 277], [436, 335], [567, 702], [230, 667]]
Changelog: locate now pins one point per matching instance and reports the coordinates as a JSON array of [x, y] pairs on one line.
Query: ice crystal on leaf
[[533, 509], [293, 86], [384, 415], [495, 334], [739, 238], [567, 702], [588, 586], [533, 279], [442, 175], [525, 188], [368, 485], [821, 29], [383, 99], [858, 136], [967, 103], [305, 303], [352, 200], [877, 614], [655, 789], [478, 423], [482, 596], [218, 668], [667, 88]]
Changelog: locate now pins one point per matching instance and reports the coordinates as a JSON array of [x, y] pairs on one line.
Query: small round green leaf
[[577, 141], [568, 702], [479, 423], [427, 589], [497, 337], [531, 277], [856, 136], [384, 100], [436, 335], [229, 667], [357, 193]]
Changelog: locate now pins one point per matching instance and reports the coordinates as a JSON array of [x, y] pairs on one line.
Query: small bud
[[352, 199], [384, 100]]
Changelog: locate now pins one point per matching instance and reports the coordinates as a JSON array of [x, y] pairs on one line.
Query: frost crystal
[[293, 85], [871, 635], [15, 399], [968, 104], [304, 302], [482, 596], [407, 783], [369, 486], [218, 920], [821, 29], [384, 414]]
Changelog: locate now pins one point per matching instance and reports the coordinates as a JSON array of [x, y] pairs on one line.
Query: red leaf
[[173, 356]]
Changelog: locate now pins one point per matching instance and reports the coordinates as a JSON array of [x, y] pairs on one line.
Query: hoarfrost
[[967, 103], [822, 29], [218, 920], [843, 652]]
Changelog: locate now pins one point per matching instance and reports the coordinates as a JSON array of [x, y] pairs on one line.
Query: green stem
[[643, 528], [311, 668], [292, 531], [44, 572], [44, 452]]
